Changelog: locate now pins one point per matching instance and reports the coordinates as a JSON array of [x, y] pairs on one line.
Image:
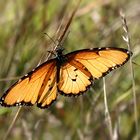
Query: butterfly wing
[[100, 61], [39, 86], [97, 62], [76, 75], [74, 78]]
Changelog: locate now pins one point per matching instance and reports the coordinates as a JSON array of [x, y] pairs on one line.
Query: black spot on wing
[[50, 88], [73, 80]]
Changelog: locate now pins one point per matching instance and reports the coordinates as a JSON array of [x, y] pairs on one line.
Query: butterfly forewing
[[100, 61], [33, 88]]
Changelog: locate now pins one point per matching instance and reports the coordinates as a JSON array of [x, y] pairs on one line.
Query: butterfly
[[70, 74]]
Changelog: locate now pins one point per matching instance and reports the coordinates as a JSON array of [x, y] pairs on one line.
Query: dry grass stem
[[126, 38]]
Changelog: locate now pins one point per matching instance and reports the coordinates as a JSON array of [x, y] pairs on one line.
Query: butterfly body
[[60, 60], [70, 74]]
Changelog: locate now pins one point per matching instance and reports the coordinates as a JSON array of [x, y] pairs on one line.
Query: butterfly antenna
[[51, 39], [135, 63], [60, 43], [52, 52], [55, 43]]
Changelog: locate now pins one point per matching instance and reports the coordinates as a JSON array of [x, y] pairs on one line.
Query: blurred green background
[[97, 23]]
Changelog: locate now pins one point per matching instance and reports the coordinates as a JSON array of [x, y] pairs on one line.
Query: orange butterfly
[[69, 74]]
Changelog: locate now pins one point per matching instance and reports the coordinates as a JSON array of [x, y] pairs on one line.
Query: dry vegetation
[[97, 23]]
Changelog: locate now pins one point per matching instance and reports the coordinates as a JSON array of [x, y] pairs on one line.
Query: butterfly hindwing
[[39, 86], [48, 91], [74, 78]]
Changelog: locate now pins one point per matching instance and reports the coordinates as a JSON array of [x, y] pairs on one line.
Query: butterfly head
[[60, 57], [59, 51]]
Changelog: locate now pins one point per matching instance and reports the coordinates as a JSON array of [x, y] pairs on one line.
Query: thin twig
[[9, 78], [12, 124], [126, 38], [62, 34], [61, 37], [107, 114]]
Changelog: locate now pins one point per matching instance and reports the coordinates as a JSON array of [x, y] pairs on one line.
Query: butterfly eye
[[60, 50]]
